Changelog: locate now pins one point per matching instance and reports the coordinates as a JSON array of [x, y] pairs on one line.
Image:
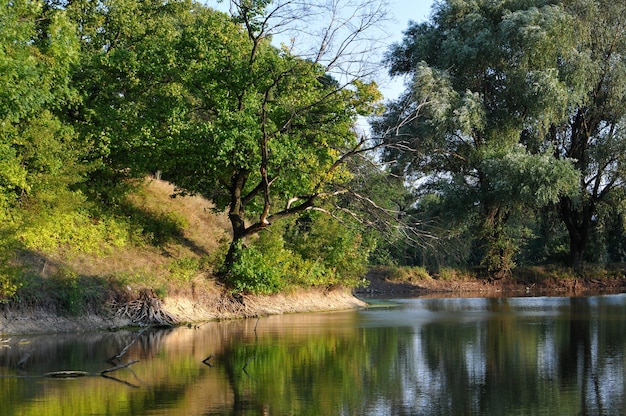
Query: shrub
[[74, 232], [408, 274], [10, 275], [323, 255], [8, 284], [185, 268], [341, 252], [255, 271]]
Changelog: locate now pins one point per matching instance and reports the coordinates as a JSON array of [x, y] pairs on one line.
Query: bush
[[312, 251], [185, 268], [10, 275], [255, 271], [8, 284], [74, 232], [342, 253], [408, 274]]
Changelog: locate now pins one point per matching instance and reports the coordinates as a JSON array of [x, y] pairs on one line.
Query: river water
[[463, 356]]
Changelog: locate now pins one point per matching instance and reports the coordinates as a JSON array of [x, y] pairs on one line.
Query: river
[[457, 356]]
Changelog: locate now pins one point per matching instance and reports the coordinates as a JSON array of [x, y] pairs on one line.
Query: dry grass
[[202, 234], [203, 227], [181, 265]]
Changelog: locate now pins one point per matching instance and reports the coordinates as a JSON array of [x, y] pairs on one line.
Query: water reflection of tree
[[482, 357], [514, 362], [591, 343], [328, 373], [91, 353]]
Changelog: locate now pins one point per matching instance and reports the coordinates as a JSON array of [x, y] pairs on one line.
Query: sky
[[400, 13]]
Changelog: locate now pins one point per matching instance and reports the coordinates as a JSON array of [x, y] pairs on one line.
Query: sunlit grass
[[169, 245]]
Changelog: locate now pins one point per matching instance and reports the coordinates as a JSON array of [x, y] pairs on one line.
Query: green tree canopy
[[216, 107], [38, 153], [485, 88]]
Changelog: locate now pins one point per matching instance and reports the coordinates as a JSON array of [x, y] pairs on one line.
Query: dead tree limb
[[207, 359], [118, 367]]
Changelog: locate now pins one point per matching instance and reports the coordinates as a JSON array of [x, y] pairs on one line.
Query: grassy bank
[[151, 261]]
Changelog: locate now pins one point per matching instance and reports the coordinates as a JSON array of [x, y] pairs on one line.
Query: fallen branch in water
[[66, 374], [206, 360], [120, 381], [78, 374], [22, 362], [118, 367], [116, 357]]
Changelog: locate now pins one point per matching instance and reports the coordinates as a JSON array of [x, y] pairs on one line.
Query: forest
[[506, 149]]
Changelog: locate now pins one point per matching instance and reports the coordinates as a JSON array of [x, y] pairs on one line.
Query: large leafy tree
[[592, 133], [269, 132], [38, 152], [211, 102], [485, 88], [127, 78]]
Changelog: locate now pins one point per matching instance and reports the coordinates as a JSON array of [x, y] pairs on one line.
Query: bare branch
[[340, 35]]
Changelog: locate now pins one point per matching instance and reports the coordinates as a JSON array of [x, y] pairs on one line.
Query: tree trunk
[[499, 250], [578, 221], [236, 215]]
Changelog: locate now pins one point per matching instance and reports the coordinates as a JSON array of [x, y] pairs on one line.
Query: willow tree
[[485, 87], [592, 133]]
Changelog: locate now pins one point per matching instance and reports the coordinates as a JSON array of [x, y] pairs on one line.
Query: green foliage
[[495, 111], [185, 268], [256, 272], [64, 291], [39, 156], [342, 251], [74, 232], [66, 287], [413, 274], [10, 273], [10, 278], [313, 251], [450, 274], [519, 178]]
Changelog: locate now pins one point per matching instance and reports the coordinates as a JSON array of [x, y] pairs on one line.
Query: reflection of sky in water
[[599, 366]]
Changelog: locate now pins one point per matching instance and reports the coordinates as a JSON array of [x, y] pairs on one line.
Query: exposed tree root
[[146, 310]]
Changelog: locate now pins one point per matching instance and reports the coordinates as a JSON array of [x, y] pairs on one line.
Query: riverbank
[[214, 303], [174, 310], [159, 270], [532, 281]]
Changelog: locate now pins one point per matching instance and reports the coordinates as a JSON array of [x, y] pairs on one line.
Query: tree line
[[506, 147]]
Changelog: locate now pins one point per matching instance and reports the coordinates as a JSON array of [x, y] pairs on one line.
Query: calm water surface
[[498, 356]]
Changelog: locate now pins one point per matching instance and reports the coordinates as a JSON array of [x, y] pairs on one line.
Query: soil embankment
[[175, 310], [148, 309]]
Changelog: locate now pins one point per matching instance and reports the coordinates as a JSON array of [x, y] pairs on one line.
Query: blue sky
[[405, 10], [402, 11]]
